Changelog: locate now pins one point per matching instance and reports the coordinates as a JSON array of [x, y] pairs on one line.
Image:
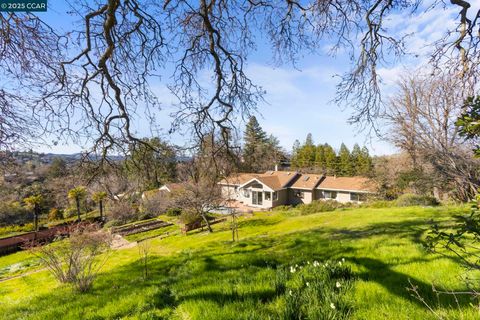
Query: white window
[[246, 193], [330, 194], [268, 195], [275, 196]]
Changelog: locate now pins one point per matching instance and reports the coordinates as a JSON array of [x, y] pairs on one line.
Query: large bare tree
[[86, 83], [422, 116]]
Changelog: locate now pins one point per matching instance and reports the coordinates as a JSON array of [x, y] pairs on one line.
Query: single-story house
[[274, 188]]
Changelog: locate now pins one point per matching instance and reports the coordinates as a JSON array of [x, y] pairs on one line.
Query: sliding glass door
[[257, 197]]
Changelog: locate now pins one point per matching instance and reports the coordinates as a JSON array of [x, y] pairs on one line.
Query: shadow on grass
[[214, 272]]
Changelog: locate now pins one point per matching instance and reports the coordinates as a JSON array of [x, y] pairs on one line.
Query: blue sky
[[297, 100]]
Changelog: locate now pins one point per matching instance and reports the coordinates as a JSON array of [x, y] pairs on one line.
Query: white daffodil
[[338, 285], [307, 284], [332, 306], [292, 269]]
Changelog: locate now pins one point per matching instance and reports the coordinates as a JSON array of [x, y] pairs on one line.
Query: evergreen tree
[[320, 158], [258, 150], [357, 159], [344, 161], [330, 159], [365, 163], [294, 160]]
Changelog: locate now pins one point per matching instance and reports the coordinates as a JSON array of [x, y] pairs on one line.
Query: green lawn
[[206, 276]]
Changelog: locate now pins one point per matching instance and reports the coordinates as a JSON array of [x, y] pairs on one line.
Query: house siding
[[293, 199]]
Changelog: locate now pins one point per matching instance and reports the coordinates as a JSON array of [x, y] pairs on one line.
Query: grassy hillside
[[206, 276]]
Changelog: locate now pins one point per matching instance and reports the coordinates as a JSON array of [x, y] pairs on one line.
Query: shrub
[[14, 213], [55, 214], [407, 199], [122, 211], [319, 206], [282, 208], [154, 203], [378, 204], [173, 212], [75, 260], [189, 217]]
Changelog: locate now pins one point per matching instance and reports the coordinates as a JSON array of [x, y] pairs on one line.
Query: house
[[163, 191], [275, 188]]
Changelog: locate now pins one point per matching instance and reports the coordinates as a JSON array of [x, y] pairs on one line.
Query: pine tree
[[365, 163], [330, 159], [295, 149], [320, 158], [357, 159], [344, 161], [255, 145]]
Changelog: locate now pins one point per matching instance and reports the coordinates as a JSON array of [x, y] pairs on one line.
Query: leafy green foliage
[[319, 206], [260, 151], [173, 212], [469, 122], [323, 159], [409, 199], [205, 276], [315, 290], [151, 163]]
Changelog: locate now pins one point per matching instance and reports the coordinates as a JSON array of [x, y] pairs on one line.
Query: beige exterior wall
[[282, 198], [294, 200]]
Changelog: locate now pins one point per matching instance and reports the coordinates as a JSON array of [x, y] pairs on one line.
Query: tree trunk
[[100, 203], [204, 217], [35, 217], [77, 200]]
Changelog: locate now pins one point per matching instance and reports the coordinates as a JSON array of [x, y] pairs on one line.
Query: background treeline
[[322, 158], [261, 152]]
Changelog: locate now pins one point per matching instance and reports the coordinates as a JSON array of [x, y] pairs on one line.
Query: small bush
[[173, 212], [76, 260], [122, 211], [55, 214], [406, 200], [188, 217], [319, 206], [378, 204], [282, 208]]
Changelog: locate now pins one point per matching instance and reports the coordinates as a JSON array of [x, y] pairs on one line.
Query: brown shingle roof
[[347, 184], [277, 180], [239, 178], [273, 179], [306, 181]]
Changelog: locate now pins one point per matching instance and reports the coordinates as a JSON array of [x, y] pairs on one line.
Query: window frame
[[330, 194], [269, 198]]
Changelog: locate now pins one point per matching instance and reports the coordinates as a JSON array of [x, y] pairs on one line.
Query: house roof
[[347, 184], [307, 181], [172, 187], [239, 178], [275, 180]]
